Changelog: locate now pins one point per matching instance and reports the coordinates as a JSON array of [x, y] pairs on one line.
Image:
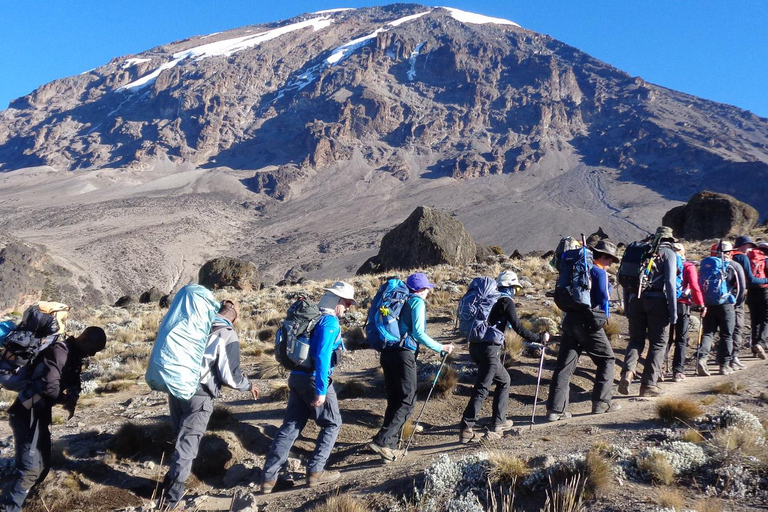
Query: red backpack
[[757, 262]]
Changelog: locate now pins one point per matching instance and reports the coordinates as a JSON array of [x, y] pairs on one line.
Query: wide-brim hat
[[343, 290], [744, 240], [721, 247], [665, 232], [418, 281], [508, 279], [607, 248]]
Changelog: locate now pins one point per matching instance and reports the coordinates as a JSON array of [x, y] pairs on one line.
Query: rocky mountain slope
[[312, 136]]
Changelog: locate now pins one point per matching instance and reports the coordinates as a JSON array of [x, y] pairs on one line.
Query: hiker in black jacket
[[490, 369], [756, 300], [55, 380]]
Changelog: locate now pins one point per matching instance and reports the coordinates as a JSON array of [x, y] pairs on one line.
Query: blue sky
[[716, 49]]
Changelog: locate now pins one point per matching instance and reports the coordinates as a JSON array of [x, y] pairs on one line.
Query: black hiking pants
[[738, 328], [32, 442], [720, 318], [647, 316], [757, 301], [490, 372], [678, 337], [579, 335], [400, 378]]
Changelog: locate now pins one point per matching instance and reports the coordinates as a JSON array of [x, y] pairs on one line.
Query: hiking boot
[[602, 408], [323, 477], [736, 364], [267, 486], [498, 429], [387, 454], [625, 382], [726, 370], [679, 377], [701, 368], [650, 391], [466, 435], [557, 416], [758, 351]]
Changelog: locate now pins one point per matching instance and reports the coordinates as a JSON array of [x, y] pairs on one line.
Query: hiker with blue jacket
[[490, 369], [650, 313], [583, 331], [721, 312], [311, 394], [399, 365], [55, 380], [189, 418], [756, 300]]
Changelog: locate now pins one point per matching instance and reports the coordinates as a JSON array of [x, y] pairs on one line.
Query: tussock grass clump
[[657, 466], [133, 439], [354, 339], [221, 418], [440, 298], [342, 503], [407, 430], [513, 346], [670, 498], [566, 497], [446, 383], [270, 369], [764, 396], [506, 468], [708, 400], [708, 505], [672, 410], [728, 388], [278, 393], [116, 386], [612, 330], [266, 334], [251, 349], [351, 389], [742, 441], [598, 474], [692, 436]]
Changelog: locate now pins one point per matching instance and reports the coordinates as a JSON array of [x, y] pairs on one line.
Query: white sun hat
[[343, 290], [508, 279]]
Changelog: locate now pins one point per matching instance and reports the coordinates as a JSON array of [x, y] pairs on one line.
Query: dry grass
[[133, 439], [342, 503], [692, 436], [708, 400], [658, 468], [708, 505], [513, 347], [279, 393], [116, 386], [506, 468], [266, 334], [728, 388], [566, 497], [251, 349], [270, 369], [407, 430], [221, 418], [351, 388], [740, 441], [440, 298], [673, 410], [612, 330], [354, 339], [446, 383], [764, 396], [598, 474], [670, 498]]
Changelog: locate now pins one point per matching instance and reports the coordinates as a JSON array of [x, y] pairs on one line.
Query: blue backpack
[[713, 281], [475, 307], [5, 328], [572, 290], [382, 330]]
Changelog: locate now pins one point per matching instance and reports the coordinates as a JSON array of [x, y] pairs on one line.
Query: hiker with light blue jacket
[[312, 394], [399, 365]]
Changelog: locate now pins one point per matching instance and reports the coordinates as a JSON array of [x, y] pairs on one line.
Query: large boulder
[[711, 215], [427, 237], [234, 272], [151, 296]]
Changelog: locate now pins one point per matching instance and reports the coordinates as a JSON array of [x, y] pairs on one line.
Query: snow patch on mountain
[[132, 62], [477, 19], [411, 73]]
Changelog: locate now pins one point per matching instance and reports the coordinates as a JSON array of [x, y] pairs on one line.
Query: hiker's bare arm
[[254, 391]]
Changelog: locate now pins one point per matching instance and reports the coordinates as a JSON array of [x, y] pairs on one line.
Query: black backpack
[[635, 255], [292, 338]]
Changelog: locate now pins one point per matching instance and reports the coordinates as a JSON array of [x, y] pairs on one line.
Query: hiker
[[490, 368], [399, 365], [688, 294], [189, 418], [756, 299], [650, 312], [721, 307], [311, 394], [55, 380], [583, 331]]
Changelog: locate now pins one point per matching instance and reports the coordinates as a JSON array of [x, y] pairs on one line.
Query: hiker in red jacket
[[689, 293]]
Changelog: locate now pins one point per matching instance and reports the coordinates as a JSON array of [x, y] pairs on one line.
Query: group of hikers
[[660, 288]]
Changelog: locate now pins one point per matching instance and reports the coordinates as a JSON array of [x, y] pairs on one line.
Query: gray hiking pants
[[720, 318], [189, 420], [739, 329], [647, 316], [757, 301], [490, 372], [580, 336], [299, 410]]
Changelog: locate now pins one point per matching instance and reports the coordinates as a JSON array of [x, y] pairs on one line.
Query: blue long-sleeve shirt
[[749, 278], [325, 338], [413, 324], [600, 293]]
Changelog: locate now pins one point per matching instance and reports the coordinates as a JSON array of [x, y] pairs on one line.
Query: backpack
[[573, 286], [757, 263], [176, 360], [713, 281], [382, 329], [567, 243], [292, 338], [5, 328], [475, 307], [631, 264], [41, 325]]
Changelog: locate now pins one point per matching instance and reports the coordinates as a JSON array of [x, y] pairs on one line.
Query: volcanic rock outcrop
[[711, 215], [234, 272]]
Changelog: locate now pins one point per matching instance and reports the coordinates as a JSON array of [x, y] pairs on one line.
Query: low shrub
[[673, 410], [657, 467]]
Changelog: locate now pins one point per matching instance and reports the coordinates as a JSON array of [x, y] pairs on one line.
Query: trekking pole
[[698, 342], [418, 419], [538, 383]]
